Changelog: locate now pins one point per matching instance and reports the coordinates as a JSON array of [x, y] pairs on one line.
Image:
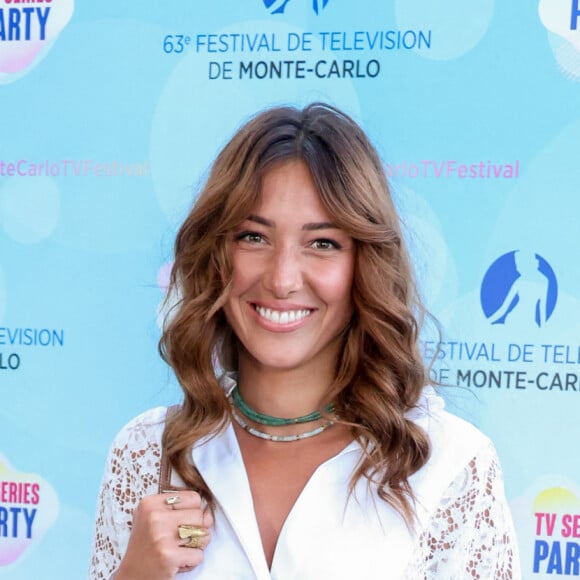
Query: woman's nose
[[284, 273]]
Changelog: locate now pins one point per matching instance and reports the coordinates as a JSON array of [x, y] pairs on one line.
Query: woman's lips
[[282, 317]]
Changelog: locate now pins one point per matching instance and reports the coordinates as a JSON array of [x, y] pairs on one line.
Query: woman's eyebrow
[[320, 226], [261, 220], [312, 226]]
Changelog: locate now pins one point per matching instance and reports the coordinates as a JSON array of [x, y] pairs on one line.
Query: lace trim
[[131, 472], [471, 534]]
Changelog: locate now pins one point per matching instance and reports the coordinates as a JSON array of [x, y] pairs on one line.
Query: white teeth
[[282, 316]]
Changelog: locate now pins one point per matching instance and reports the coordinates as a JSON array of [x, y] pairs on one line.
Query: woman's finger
[[192, 536], [176, 500]]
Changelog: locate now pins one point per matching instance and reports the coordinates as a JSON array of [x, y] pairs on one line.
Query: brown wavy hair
[[380, 373]]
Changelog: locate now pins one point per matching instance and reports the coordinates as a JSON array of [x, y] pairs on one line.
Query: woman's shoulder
[[457, 447], [445, 429], [465, 522], [146, 429]]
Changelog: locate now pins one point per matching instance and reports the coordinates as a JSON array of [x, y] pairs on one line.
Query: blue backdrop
[[110, 116]]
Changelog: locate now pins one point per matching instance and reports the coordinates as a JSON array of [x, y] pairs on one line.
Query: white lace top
[[464, 525]]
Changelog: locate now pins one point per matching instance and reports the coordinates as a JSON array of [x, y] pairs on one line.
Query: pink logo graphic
[[547, 518], [561, 18], [28, 32], [28, 508], [556, 547]]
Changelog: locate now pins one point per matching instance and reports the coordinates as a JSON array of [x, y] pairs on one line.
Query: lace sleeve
[[471, 534], [131, 472]]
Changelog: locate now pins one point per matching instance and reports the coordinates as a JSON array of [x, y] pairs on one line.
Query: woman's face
[[291, 291]]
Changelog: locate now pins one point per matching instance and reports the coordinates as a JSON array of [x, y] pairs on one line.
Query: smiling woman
[[318, 449], [291, 292]]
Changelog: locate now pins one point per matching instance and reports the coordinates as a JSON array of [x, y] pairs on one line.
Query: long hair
[[380, 372]]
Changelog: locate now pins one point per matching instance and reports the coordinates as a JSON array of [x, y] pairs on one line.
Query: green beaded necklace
[[263, 419]]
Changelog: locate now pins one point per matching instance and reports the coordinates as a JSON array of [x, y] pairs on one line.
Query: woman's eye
[[250, 237], [325, 245]]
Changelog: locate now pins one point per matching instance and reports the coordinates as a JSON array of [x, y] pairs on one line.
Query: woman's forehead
[[288, 190]]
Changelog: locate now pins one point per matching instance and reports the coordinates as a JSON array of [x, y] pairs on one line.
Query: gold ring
[[171, 501], [194, 534], [194, 543]]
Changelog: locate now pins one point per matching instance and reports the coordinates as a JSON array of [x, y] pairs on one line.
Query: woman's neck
[[283, 392]]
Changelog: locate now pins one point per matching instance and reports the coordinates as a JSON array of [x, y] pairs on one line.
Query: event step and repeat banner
[[111, 113]]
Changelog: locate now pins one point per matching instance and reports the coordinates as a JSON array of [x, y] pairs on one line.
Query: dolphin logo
[[319, 4], [278, 6]]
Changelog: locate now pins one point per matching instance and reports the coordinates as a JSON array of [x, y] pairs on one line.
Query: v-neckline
[[353, 445], [221, 464]]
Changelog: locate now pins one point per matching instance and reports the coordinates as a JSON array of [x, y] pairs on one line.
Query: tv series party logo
[[561, 18], [28, 30], [28, 508], [279, 6], [557, 533], [519, 287]]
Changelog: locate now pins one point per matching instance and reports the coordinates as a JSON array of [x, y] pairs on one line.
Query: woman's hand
[[157, 549]]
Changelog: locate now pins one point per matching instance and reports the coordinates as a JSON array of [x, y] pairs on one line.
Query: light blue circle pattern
[[29, 208], [457, 26]]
